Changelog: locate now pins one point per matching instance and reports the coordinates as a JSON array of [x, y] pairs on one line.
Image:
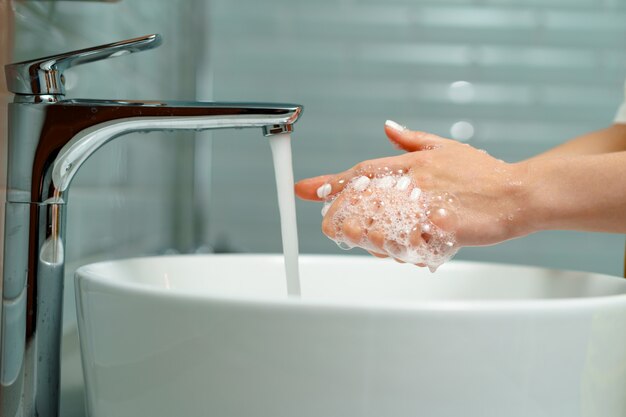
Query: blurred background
[[513, 77]]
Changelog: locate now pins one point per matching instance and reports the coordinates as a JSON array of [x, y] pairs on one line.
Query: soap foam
[[395, 217]]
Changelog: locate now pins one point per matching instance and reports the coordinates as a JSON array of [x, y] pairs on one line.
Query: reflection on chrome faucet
[[49, 139]]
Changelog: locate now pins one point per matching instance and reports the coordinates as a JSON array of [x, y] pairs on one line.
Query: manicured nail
[[324, 191], [395, 126], [403, 183], [361, 183], [415, 194]]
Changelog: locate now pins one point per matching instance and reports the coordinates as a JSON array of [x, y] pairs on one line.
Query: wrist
[[529, 203], [544, 207]]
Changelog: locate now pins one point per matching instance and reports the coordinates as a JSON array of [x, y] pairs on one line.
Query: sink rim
[[102, 282]]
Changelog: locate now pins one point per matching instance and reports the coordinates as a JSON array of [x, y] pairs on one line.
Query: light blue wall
[[542, 71]]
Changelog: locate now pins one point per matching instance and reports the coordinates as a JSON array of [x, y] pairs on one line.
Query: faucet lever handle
[[44, 76]]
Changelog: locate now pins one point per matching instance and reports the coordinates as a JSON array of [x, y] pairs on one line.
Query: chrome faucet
[[49, 139]]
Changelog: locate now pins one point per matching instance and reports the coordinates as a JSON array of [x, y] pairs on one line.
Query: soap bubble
[[388, 213]]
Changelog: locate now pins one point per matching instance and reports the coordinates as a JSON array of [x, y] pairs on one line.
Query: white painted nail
[[395, 126], [415, 194], [324, 191], [403, 183], [384, 182], [325, 209], [361, 183]]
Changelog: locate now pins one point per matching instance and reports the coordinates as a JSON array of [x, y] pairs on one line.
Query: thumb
[[411, 140], [307, 189]]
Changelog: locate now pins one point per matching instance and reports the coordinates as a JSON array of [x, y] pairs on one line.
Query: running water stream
[[283, 170]]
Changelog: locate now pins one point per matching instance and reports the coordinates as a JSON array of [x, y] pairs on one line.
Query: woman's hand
[[490, 194]]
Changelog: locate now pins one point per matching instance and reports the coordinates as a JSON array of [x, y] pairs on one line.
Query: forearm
[[585, 193], [611, 139]]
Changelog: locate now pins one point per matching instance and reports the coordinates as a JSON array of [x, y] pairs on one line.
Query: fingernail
[[324, 191], [361, 183], [415, 194], [395, 126], [403, 183]]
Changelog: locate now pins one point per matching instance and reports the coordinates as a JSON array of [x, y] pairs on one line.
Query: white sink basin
[[217, 336]]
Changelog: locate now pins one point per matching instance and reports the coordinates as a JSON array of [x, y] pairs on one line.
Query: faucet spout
[[77, 128]]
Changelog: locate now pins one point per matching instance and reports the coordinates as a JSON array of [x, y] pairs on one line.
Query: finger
[[411, 140], [421, 265], [417, 237], [352, 230], [444, 218], [378, 255], [329, 226], [377, 239], [394, 249], [307, 189]]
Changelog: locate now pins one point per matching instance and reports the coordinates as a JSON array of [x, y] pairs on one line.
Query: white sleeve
[[620, 117]]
